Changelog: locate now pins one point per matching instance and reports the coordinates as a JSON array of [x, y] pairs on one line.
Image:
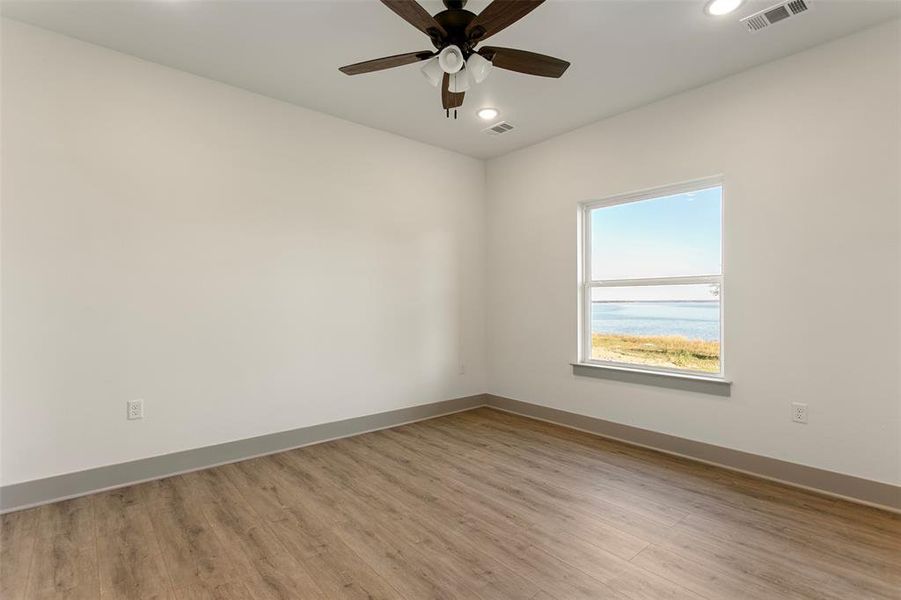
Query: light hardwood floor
[[480, 504]]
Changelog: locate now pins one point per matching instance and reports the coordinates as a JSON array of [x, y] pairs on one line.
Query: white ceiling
[[624, 53]]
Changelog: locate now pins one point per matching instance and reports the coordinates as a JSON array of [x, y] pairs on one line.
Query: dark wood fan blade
[[414, 14], [386, 63], [521, 61], [499, 15], [448, 98]]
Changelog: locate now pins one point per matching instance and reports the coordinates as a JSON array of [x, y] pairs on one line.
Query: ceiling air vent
[[499, 128], [774, 14]]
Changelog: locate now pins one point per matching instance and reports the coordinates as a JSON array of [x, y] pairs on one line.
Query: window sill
[[682, 381]]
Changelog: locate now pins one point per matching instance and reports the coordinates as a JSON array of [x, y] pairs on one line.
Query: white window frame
[[586, 284]]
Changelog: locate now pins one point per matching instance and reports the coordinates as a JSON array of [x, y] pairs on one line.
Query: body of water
[[692, 320]]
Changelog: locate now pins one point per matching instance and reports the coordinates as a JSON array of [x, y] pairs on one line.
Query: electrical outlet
[[135, 409], [799, 412], [462, 369]]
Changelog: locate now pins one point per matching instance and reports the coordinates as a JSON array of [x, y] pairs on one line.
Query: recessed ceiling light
[[487, 114], [718, 8]]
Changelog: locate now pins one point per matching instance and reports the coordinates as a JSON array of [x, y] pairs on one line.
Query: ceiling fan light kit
[[459, 82], [455, 33], [433, 72], [451, 59], [478, 67]]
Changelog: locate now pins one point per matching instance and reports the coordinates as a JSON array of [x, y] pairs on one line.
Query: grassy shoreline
[[670, 351]]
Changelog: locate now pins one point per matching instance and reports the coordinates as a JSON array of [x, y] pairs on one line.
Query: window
[[652, 282]]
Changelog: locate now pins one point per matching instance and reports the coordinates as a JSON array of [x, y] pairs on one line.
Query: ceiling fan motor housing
[[455, 21]]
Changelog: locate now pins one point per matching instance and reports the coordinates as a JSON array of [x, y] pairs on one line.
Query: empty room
[[482, 300]]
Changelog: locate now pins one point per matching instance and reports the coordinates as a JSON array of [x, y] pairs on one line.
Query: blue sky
[[669, 236]]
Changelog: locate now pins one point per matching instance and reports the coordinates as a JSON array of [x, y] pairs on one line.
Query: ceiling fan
[[457, 64]]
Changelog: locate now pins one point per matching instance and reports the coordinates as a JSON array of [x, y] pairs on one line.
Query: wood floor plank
[[705, 579], [820, 555], [646, 460], [427, 497], [531, 505], [73, 519], [65, 553], [704, 488], [190, 549], [468, 535], [415, 574], [476, 505], [789, 572], [268, 582], [398, 563], [387, 558], [63, 568], [248, 542], [18, 534], [220, 591], [481, 573], [617, 464], [129, 559], [340, 573], [557, 489], [576, 475], [266, 496]]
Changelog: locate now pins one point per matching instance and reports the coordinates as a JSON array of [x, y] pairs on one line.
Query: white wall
[[245, 266], [809, 147]]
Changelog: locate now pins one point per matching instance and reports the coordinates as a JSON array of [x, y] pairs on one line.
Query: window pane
[[670, 326], [670, 236]]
